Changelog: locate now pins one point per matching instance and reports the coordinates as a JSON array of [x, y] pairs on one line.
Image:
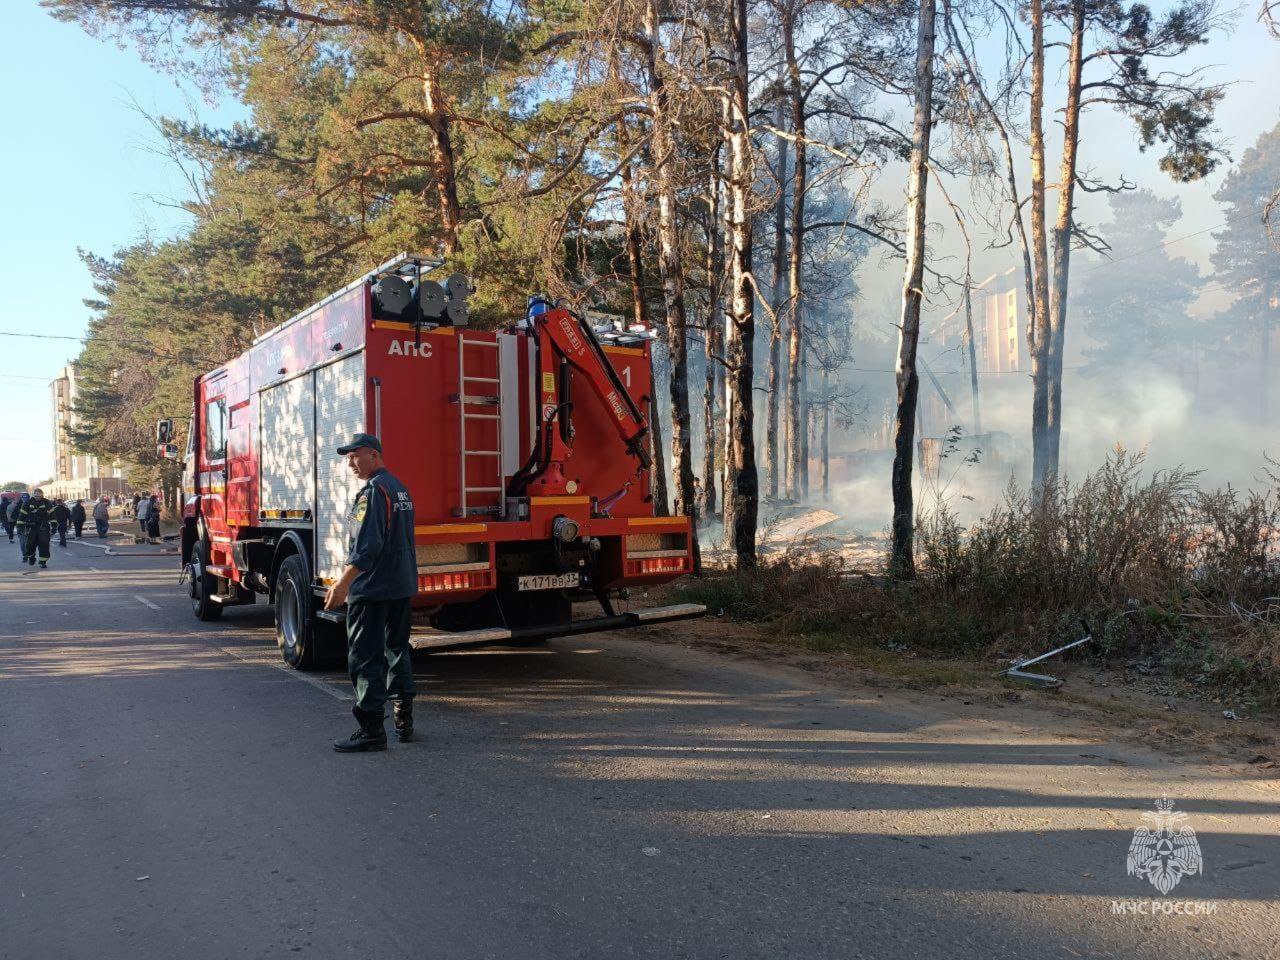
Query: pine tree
[[1247, 264]]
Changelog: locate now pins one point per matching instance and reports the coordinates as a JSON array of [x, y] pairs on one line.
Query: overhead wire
[[190, 358]]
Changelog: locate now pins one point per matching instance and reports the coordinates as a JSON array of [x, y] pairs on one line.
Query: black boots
[[402, 714], [370, 736]]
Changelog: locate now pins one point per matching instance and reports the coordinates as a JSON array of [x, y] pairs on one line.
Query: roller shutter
[[340, 412], [287, 430]]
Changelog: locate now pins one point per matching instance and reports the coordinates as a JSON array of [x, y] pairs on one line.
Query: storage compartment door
[[287, 429], [340, 412]]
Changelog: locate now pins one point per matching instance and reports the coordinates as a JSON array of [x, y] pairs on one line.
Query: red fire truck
[[524, 450]]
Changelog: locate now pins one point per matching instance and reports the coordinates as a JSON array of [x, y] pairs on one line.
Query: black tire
[[202, 585], [298, 634]]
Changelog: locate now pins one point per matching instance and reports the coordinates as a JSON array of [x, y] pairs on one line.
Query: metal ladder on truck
[[491, 401]]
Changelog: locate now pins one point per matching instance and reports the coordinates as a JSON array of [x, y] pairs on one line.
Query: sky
[[81, 170], [78, 170]]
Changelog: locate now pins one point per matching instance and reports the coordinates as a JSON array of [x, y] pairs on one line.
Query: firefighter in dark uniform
[[7, 506], [34, 516], [380, 580]]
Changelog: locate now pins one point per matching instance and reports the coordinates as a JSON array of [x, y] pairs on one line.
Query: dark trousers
[[102, 528], [37, 539], [62, 533], [378, 653], [79, 525], [22, 541], [8, 528]]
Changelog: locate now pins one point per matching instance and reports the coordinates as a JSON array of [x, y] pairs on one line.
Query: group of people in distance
[[33, 520], [145, 508]]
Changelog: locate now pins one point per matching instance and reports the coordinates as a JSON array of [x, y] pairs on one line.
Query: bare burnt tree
[[772, 458], [902, 557], [713, 333], [741, 503]]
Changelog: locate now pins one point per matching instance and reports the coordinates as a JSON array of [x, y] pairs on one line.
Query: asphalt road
[[168, 790]]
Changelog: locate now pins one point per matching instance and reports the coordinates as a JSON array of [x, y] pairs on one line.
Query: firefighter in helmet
[[380, 580], [34, 516]]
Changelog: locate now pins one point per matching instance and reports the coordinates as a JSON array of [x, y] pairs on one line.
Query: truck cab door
[[239, 472], [213, 465]]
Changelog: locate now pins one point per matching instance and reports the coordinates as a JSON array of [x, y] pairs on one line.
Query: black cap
[[361, 440]]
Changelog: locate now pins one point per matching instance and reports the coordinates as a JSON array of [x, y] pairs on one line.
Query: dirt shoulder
[[1102, 704]]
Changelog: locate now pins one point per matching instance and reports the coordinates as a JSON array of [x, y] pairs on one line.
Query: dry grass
[[1158, 567]]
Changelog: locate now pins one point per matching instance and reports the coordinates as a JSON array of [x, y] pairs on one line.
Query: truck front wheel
[[297, 630], [202, 584]]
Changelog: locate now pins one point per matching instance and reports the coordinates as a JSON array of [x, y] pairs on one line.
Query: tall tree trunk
[[658, 472], [797, 420], [772, 461], [671, 269], [445, 171], [1264, 361], [902, 561], [714, 265], [635, 244], [973, 353], [806, 425], [631, 206], [1038, 335], [826, 435], [1062, 229], [742, 491], [724, 388]]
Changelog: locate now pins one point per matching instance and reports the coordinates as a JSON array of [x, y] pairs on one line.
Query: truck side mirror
[[164, 431]]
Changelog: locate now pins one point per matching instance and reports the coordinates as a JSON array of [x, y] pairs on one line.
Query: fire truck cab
[[524, 450]]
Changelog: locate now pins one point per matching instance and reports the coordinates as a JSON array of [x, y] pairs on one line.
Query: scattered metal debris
[[1016, 672]]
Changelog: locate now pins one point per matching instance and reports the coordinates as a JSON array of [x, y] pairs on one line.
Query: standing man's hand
[[336, 595]]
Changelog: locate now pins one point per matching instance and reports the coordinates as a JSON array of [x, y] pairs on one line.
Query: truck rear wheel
[[298, 632], [202, 585]]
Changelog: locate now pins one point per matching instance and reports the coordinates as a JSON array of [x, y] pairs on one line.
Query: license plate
[[548, 581]]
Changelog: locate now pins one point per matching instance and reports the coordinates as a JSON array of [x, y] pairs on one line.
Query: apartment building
[[76, 476]]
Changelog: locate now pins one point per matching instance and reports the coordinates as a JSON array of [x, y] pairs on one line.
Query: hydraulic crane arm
[[572, 339], [566, 342]]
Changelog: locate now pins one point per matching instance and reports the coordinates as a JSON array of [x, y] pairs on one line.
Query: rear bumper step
[[440, 640]]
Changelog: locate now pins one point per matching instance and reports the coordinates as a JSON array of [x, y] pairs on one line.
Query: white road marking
[[306, 678], [145, 602]]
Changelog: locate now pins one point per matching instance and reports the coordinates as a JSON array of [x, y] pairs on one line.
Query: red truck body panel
[[457, 412]]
